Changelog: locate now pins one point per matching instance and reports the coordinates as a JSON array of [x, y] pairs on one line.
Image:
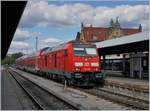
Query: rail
[[114, 96], [135, 103], [83, 98], [43, 97]]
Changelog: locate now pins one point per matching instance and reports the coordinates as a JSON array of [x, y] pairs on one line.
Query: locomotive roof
[[57, 47], [45, 49], [60, 46], [76, 43]]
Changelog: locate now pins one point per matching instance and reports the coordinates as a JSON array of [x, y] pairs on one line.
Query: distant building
[[97, 34]]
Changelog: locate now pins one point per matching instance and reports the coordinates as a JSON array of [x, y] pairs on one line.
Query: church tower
[[117, 24], [140, 27], [111, 23]]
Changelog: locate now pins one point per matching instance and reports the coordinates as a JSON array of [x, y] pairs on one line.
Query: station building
[[97, 34], [133, 63]]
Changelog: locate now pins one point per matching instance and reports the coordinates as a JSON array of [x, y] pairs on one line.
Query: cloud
[[19, 45], [43, 14], [50, 42], [21, 35], [27, 51]]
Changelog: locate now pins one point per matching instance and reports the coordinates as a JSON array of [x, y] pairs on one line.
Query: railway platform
[[129, 82], [13, 97]]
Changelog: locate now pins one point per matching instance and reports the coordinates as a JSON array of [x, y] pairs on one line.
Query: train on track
[[77, 63]]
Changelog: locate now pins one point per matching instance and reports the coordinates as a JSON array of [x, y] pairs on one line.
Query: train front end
[[86, 65]]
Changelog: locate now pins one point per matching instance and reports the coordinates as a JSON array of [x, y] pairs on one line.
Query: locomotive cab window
[[90, 51], [85, 51], [79, 51]]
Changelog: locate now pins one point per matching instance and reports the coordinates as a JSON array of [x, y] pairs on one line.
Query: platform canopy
[[131, 43]]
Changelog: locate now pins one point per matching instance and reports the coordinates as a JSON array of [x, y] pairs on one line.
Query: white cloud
[[44, 14], [21, 35], [49, 42], [130, 15], [27, 51], [19, 45]]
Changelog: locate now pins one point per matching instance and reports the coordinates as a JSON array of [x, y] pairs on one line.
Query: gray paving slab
[[129, 81], [75, 97], [12, 96]]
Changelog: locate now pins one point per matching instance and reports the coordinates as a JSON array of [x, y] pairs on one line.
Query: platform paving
[[12, 96], [129, 81], [75, 97]]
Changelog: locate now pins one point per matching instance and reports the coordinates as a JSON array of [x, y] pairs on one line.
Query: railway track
[[140, 96], [129, 101], [116, 97], [42, 98]]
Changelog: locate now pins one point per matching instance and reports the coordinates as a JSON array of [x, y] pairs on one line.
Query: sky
[[55, 22]]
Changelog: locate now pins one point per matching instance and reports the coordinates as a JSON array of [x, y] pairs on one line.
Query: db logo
[[86, 64]]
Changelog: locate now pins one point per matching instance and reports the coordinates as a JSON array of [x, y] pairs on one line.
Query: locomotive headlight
[[96, 69], [77, 69], [78, 64], [94, 64]]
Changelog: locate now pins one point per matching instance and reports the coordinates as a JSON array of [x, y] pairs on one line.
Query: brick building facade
[[97, 34]]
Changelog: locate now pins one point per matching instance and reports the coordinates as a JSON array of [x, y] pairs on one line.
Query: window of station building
[[117, 33], [95, 36], [144, 63], [113, 36], [87, 33]]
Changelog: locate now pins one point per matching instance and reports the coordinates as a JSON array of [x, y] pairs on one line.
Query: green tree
[[11, 59], [17, 55]]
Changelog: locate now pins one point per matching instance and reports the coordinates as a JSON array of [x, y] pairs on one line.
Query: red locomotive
[[78, 63]]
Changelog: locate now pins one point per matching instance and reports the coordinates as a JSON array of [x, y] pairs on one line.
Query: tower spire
[[140, 27], [117, 19], [111, 23], [82, 25], [117, 24]]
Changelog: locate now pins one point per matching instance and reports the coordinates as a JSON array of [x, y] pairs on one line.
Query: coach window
[[65, 52]]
